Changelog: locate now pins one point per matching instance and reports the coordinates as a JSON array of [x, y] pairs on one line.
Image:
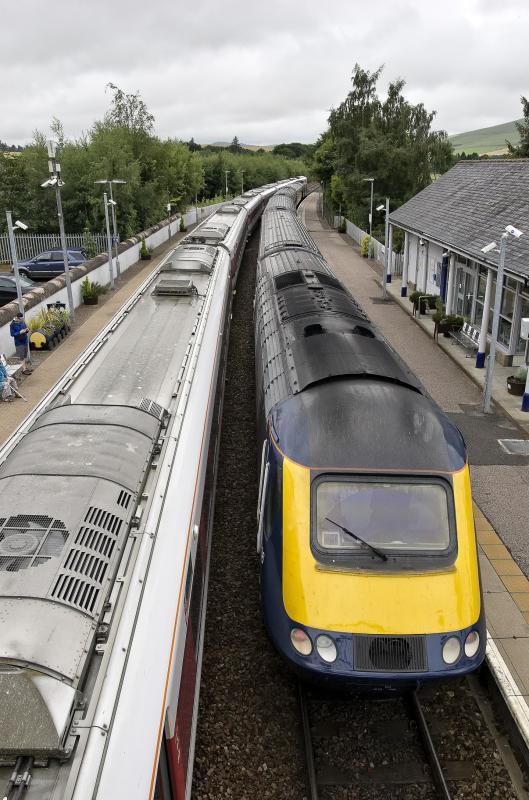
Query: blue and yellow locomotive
[[369, 567]]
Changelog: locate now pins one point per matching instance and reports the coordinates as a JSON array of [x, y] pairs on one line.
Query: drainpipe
[[482, 344], [451, 285], [404, 286]]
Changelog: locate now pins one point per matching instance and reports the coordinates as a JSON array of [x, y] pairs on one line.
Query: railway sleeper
[[403, 773]]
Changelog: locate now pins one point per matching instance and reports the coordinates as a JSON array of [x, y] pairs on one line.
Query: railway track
[[407, 746], [250, 741]]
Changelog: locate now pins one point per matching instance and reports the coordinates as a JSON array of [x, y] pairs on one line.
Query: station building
[[445, 228]]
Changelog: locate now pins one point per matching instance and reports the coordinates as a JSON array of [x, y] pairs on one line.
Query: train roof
[[282, 228], [392, 424]]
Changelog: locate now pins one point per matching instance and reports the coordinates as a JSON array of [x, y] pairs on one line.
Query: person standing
[[19, 331]]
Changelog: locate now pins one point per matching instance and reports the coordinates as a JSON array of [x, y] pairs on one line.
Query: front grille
[[390, 653]]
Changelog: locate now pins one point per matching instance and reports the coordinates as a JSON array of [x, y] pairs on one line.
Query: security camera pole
[[113, 206], [55, 180], [109, 242], [489, 372], [14, 259]]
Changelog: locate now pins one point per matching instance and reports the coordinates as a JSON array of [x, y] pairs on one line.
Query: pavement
[[500, 482]]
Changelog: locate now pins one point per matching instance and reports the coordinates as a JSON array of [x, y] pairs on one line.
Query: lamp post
[[109, 242], [14, 256], [386, 278], [371, 181], [242, 181], [55, 181], [226, 172], [113, 206], [168, 207], [489, 372]]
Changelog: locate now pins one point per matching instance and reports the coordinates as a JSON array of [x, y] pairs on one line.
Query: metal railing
[[31, 244]]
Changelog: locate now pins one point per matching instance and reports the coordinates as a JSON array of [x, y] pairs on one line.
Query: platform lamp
[[372, 181], [387, 258], [226, 173], [242, 181], [489, 372], [56, 182], [113, 206], [14, 256]]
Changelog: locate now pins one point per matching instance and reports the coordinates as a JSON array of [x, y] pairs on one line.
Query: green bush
[[92, 289], [521, 374], [364, 247], [182, 225], [342, 227], [144, 250]]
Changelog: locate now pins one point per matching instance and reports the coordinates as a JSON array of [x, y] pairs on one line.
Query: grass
[[486, 140]]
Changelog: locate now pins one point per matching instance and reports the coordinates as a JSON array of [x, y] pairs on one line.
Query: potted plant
[[364, 247], [414, 298], [145, 253], [516, 382], [182, 226], [90, 291], [342, 227]]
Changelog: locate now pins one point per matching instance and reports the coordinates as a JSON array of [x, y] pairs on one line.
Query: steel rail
[[433, 758], [307, 740]]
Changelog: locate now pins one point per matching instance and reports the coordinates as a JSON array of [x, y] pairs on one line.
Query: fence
[[31, 244], [357, 234]]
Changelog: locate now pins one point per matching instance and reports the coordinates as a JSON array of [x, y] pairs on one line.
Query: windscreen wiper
[[374, 550]]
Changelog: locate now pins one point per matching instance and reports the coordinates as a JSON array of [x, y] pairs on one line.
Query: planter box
[[515, 386], [90, 301]]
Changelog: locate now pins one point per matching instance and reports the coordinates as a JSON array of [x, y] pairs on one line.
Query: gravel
[[248, 740]]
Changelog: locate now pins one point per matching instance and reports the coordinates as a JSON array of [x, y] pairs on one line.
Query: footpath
[[500, 482]]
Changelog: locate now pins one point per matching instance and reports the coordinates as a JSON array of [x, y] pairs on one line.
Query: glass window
[[507, 303], [393, 516]]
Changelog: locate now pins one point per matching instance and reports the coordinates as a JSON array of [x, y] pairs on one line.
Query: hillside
[[486, 140], [254, 147]]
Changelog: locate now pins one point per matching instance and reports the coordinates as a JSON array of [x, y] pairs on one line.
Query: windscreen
[[391, 516]]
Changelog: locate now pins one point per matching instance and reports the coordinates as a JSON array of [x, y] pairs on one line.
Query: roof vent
[[28, 541], [170, 287], [314, 330]]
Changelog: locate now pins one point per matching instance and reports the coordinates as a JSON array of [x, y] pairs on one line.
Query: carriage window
[[391, 516]]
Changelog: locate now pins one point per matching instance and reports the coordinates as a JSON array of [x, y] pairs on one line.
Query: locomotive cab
[[369, 561]]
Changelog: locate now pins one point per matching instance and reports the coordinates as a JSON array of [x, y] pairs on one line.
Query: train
[[107, 492], [369, 574]]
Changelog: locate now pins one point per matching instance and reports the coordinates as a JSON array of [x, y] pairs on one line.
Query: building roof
[[470, 205]]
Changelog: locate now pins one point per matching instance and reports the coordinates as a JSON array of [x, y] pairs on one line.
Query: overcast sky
[[265, 71]]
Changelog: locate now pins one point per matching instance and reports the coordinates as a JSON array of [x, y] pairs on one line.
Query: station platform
[[500, 481]]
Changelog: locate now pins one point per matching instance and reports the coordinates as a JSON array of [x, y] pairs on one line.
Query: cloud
[[264, 72]]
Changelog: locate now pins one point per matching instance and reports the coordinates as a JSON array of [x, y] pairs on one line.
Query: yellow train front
[[369, 569]]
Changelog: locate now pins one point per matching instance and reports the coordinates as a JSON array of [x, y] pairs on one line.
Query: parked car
[[8, 289], [50, 263]]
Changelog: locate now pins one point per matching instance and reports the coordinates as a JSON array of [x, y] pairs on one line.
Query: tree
[[522, 149], [235, 147], [390, 140], [129, 111]]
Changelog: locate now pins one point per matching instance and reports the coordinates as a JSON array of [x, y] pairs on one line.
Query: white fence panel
[[31, 244]]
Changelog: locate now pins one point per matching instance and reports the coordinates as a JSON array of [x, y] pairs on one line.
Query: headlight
[[326, 648], [451, 650], [472, 644], [301, 641]]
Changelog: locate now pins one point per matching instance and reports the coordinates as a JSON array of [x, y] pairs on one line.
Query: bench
[[467, 337]]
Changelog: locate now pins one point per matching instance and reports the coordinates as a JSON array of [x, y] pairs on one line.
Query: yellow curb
[[488, 537], [507, 567], [496, 551], [516, 583], [521, 600]]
